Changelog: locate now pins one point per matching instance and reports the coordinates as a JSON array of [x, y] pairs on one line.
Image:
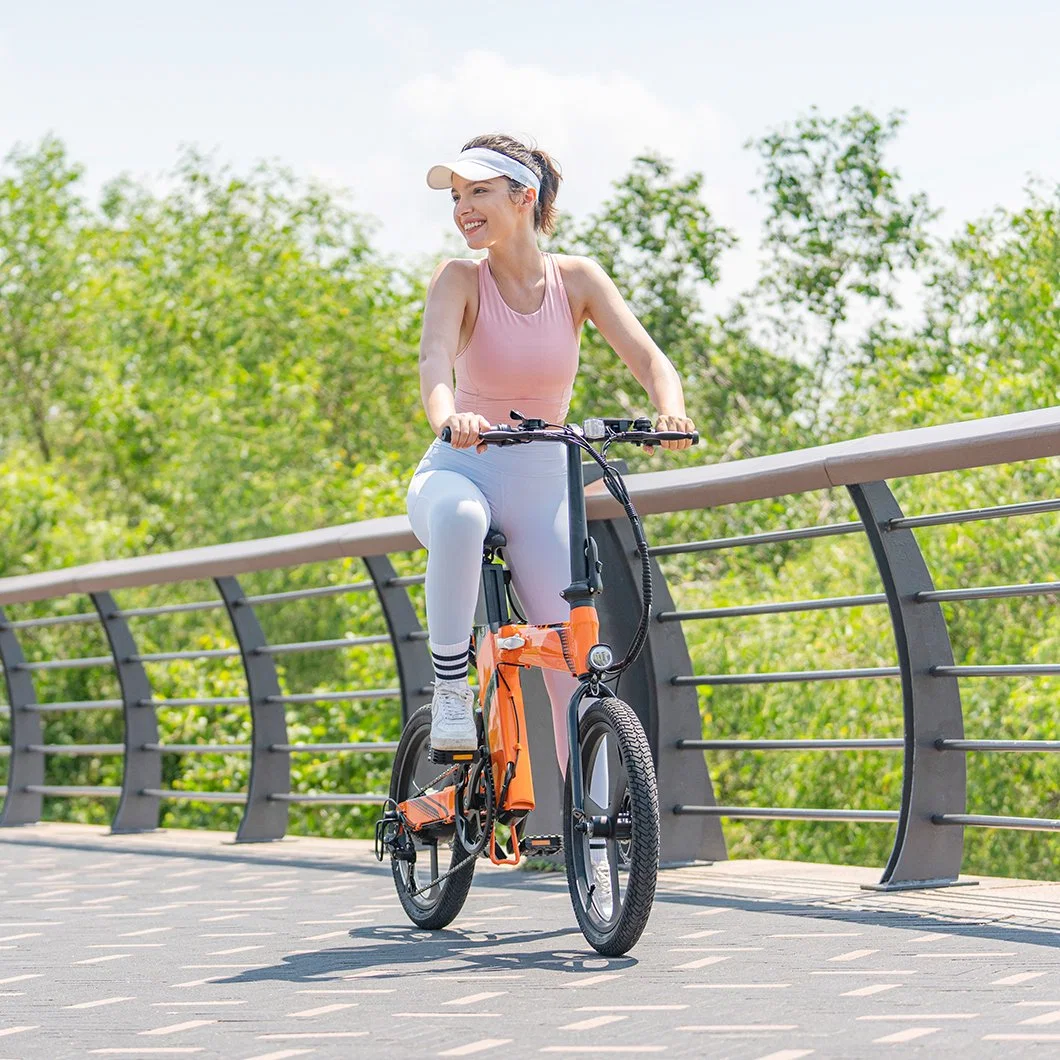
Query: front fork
[[582, 823]]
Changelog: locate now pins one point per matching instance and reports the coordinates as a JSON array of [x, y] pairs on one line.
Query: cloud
[[592, 123]]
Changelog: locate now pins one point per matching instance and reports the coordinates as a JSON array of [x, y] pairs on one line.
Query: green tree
[[838, 234], [658, 240], [990, 341], [44, 317]]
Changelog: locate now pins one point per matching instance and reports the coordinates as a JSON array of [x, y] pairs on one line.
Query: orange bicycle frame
[[564, 647], [502, 649]]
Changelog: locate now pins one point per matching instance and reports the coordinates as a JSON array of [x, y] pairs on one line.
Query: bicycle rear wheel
[[612, 874], [436, 850]]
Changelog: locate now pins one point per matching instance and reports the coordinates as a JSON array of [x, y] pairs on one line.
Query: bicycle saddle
[[494, 539]]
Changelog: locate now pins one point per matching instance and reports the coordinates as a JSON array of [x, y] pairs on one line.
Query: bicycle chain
[[487, 774], [433, 783]]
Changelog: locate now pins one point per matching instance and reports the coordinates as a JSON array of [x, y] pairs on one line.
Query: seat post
[[493, 591]]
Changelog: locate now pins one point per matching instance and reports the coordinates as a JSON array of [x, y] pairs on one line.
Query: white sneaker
[[453, 716], [601, 881]]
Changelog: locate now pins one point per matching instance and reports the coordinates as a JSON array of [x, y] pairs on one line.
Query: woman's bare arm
[[625, 334], [439, 344]]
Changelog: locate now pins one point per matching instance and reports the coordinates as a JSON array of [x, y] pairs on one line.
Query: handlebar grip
[[447, 434]]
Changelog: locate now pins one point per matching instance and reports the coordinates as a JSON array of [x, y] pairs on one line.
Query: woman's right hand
[[465, 428]]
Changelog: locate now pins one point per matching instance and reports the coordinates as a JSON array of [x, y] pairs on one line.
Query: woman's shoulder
[[580, 274], [577, 265], [453, 275]]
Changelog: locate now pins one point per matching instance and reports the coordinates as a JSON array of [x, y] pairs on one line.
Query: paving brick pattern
[[184, 944]]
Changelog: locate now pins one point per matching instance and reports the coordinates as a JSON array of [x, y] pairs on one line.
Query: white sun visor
[[480, 163]]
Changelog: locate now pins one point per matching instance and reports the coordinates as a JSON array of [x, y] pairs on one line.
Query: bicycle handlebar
[[501, 435]]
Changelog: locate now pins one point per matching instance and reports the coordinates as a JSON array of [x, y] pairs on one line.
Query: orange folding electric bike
[[447, 808]]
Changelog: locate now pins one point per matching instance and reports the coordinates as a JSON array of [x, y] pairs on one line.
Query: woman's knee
[[464, 517]]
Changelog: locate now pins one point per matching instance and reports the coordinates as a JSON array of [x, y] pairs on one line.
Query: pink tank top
[[523, 361]]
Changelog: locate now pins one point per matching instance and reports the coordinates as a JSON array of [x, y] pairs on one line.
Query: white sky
[[368, 95]]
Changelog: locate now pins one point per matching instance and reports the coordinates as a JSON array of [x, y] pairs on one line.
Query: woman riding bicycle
[[508, 326]]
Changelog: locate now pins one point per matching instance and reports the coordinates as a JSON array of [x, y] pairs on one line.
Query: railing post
[[264, 818], [924, 854], [667, 712], [136, 811], [412, 656], [25, 767]]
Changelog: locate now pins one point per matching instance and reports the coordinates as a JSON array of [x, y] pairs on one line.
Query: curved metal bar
[[25, 768], [200, 748], [169, 609], [85, 704], [325, 645], [197, 796], [980, 820], [173, 656], [359, 748], [307, 594], [68, 664], [933, 782], [332, 800], [74, 791], [992, 592], [78, 748], [781, 608], [413, 659], [768, 538], [408, 580], [1014, 670], [338, 697], [782, 813], [975, 515], [784, 676], [667, 710], [270, 770], [55, 620], [880, 744], [136, 811], [999, 745], [200, 701]]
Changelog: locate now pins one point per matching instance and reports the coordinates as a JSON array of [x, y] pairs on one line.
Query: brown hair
[[538, 162]]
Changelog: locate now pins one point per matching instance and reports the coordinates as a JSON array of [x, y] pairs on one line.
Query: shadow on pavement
[[963, 922], [398, 952]]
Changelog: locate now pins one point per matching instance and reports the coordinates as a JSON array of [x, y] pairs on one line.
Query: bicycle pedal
[[540, 844], [449, 758]]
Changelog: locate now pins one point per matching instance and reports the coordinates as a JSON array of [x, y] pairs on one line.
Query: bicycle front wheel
[[611, 873]]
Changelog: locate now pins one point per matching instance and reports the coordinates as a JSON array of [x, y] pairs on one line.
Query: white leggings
[[455, 496]]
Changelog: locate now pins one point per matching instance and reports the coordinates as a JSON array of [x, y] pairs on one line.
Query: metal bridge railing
[[928, 823]]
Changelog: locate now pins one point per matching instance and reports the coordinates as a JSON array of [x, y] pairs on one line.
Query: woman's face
[[485, 213]]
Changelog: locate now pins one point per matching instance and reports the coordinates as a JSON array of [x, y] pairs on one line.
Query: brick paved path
[[181, 943]]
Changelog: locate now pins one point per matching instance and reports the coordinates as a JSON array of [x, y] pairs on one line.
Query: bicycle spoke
[[596, 780], [613, 866], [618, 796], [613, 759]]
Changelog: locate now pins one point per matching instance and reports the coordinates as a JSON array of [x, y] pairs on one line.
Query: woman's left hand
[[674, 423]]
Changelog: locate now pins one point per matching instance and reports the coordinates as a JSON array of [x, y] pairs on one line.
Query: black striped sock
[[450, 666]]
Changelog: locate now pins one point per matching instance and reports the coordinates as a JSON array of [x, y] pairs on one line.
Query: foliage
[[838, 234], [657, 238], [229, 357]]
